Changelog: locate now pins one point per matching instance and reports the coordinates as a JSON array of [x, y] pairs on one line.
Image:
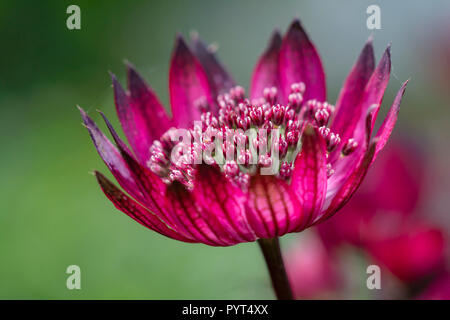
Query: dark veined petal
[[111, 156], [309, 179], [225, 201], [178, 207], [272, 206], [348, 105], [265, 74], [344, 193], [141, 115], [188, 85], [300, 62], [134, 210], [219, 79], [197, 219]]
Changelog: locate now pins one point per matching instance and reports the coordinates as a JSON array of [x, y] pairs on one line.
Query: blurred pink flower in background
[[311, 269], [386, 220], [411, 252]]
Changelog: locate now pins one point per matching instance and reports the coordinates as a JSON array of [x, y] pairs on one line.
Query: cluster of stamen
[[245, 137]]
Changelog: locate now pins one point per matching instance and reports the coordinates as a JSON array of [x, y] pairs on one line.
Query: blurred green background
[[53, 214]]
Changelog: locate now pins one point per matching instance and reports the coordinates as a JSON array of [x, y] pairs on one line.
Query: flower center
[[245, 138]]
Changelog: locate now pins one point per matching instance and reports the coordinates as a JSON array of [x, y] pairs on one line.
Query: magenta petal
[[373, 96], [413, 252], [219, 79], [300, 62], [265, 74], [309, 179], [272, 206], [131, 208], [151, 186], [384, 132], [141, 115], [348, 105], [126, 117], [111, 156], [188, 86], [225, 201], [343, 195], [344, 166]]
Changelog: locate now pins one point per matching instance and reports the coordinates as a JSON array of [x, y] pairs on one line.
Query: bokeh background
[[53, 214]]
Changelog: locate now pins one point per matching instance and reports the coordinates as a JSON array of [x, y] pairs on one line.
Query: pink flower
[[179, 191], [312, 269], [413, 252], [383, 218]]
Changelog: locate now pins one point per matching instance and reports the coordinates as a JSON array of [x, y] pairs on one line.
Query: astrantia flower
[[225, 204], [304, 163]]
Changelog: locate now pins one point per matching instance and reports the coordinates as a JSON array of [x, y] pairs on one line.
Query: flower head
[[227, 168]]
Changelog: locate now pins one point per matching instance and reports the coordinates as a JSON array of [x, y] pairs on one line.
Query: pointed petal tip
[[296, 23], [276, 39], [99, 176], [108, 124], [84, 115], [403, 87], [401, 92], [113, 78], [367, 54], [180, 42], [369, 43], [296, 26], [276, 34], [385, 61], [388, 49], [181, 46], [87, 121], [129, 65], [131, 72]]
